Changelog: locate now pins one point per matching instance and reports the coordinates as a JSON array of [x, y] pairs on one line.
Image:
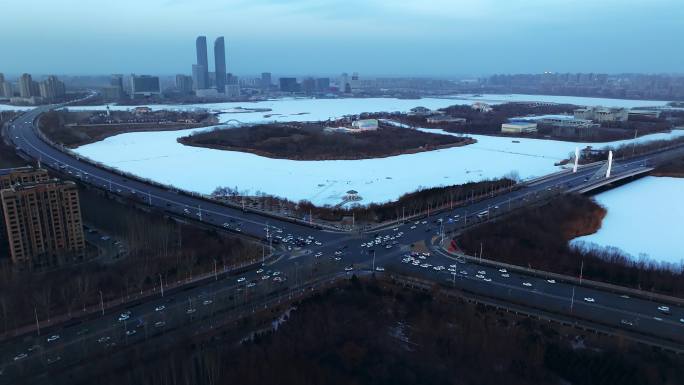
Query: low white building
[[365, 125], [518, 128], [445, 119], [601, 114]]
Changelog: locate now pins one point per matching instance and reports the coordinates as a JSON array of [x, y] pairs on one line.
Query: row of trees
[[311, 141], [421, 201], [374, 333], [539, 238]]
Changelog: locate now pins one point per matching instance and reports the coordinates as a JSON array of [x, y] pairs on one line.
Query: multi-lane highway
[[307, 253]]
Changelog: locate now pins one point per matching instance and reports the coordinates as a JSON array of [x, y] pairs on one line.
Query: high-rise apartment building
[[323, 85], [25, 86], [42, 218], [266, 81], [12, 176], [184, 83], [52, 88], [220, 63], [289, 85], [145, 86], [200, 71]]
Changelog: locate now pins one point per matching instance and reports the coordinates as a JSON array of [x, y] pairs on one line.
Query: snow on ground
[[158, 156], [7, 107], [644, 217]]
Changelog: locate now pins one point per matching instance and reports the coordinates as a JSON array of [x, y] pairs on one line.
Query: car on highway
[[259, 271], [190, 310], [130, 332], [52, 360], [527, 284], [482, 272], [20, 356], [552, 281], [251, 284], [664, 309], [589, 299], [123, 317], [159, 324], [379, 268], [160, 308], [207, 302], [505, 275], [348, 268], [103, 339], [503, 271], [480, 276], [241, 280], [53, 337], [626, 322]]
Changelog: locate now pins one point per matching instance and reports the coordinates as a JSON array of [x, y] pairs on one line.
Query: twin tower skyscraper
[[200, 71]]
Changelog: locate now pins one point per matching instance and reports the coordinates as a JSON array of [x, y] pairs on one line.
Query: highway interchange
[[321, 253]]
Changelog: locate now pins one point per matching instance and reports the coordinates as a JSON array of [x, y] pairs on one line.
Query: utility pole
[[581, 271], [35, 311], [149, 198], [199, 211], [373, 259], [161, 285], [101, 303], [480, 251], [215, 272], [636, 130], [572, 300]]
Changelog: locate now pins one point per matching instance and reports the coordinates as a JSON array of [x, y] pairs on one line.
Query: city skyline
[[301, 37]]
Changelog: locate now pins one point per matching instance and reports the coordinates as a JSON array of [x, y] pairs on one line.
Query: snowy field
[[158, 156], [644, 218]]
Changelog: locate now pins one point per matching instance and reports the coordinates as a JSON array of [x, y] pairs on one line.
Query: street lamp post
[[101, 303], [161, 285]]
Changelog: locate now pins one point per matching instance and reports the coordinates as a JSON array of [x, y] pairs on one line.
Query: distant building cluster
[[41, 218], [29, 91], [633, 86]]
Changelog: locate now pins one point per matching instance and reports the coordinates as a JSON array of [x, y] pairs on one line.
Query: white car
[[53, 338], [505, 275], [124, 317], [664, 309], [379, 268], [159, 324], [241, 280], [207, 302], [260, 271], [20, 356], [527, 284], [480, 276], [551, 280], [251, 284], [348, 268], [482, 272], [487, 279], [190, 311], [160, 308], [130, 332], [464, 272], [589, 299]]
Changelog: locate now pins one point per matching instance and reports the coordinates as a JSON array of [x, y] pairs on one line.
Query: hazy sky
[[373, 37]]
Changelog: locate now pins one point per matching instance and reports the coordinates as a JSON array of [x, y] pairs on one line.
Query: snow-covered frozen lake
[[158, 156], [644, 218]]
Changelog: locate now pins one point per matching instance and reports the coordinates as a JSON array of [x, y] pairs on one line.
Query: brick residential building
[[42, 220]]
